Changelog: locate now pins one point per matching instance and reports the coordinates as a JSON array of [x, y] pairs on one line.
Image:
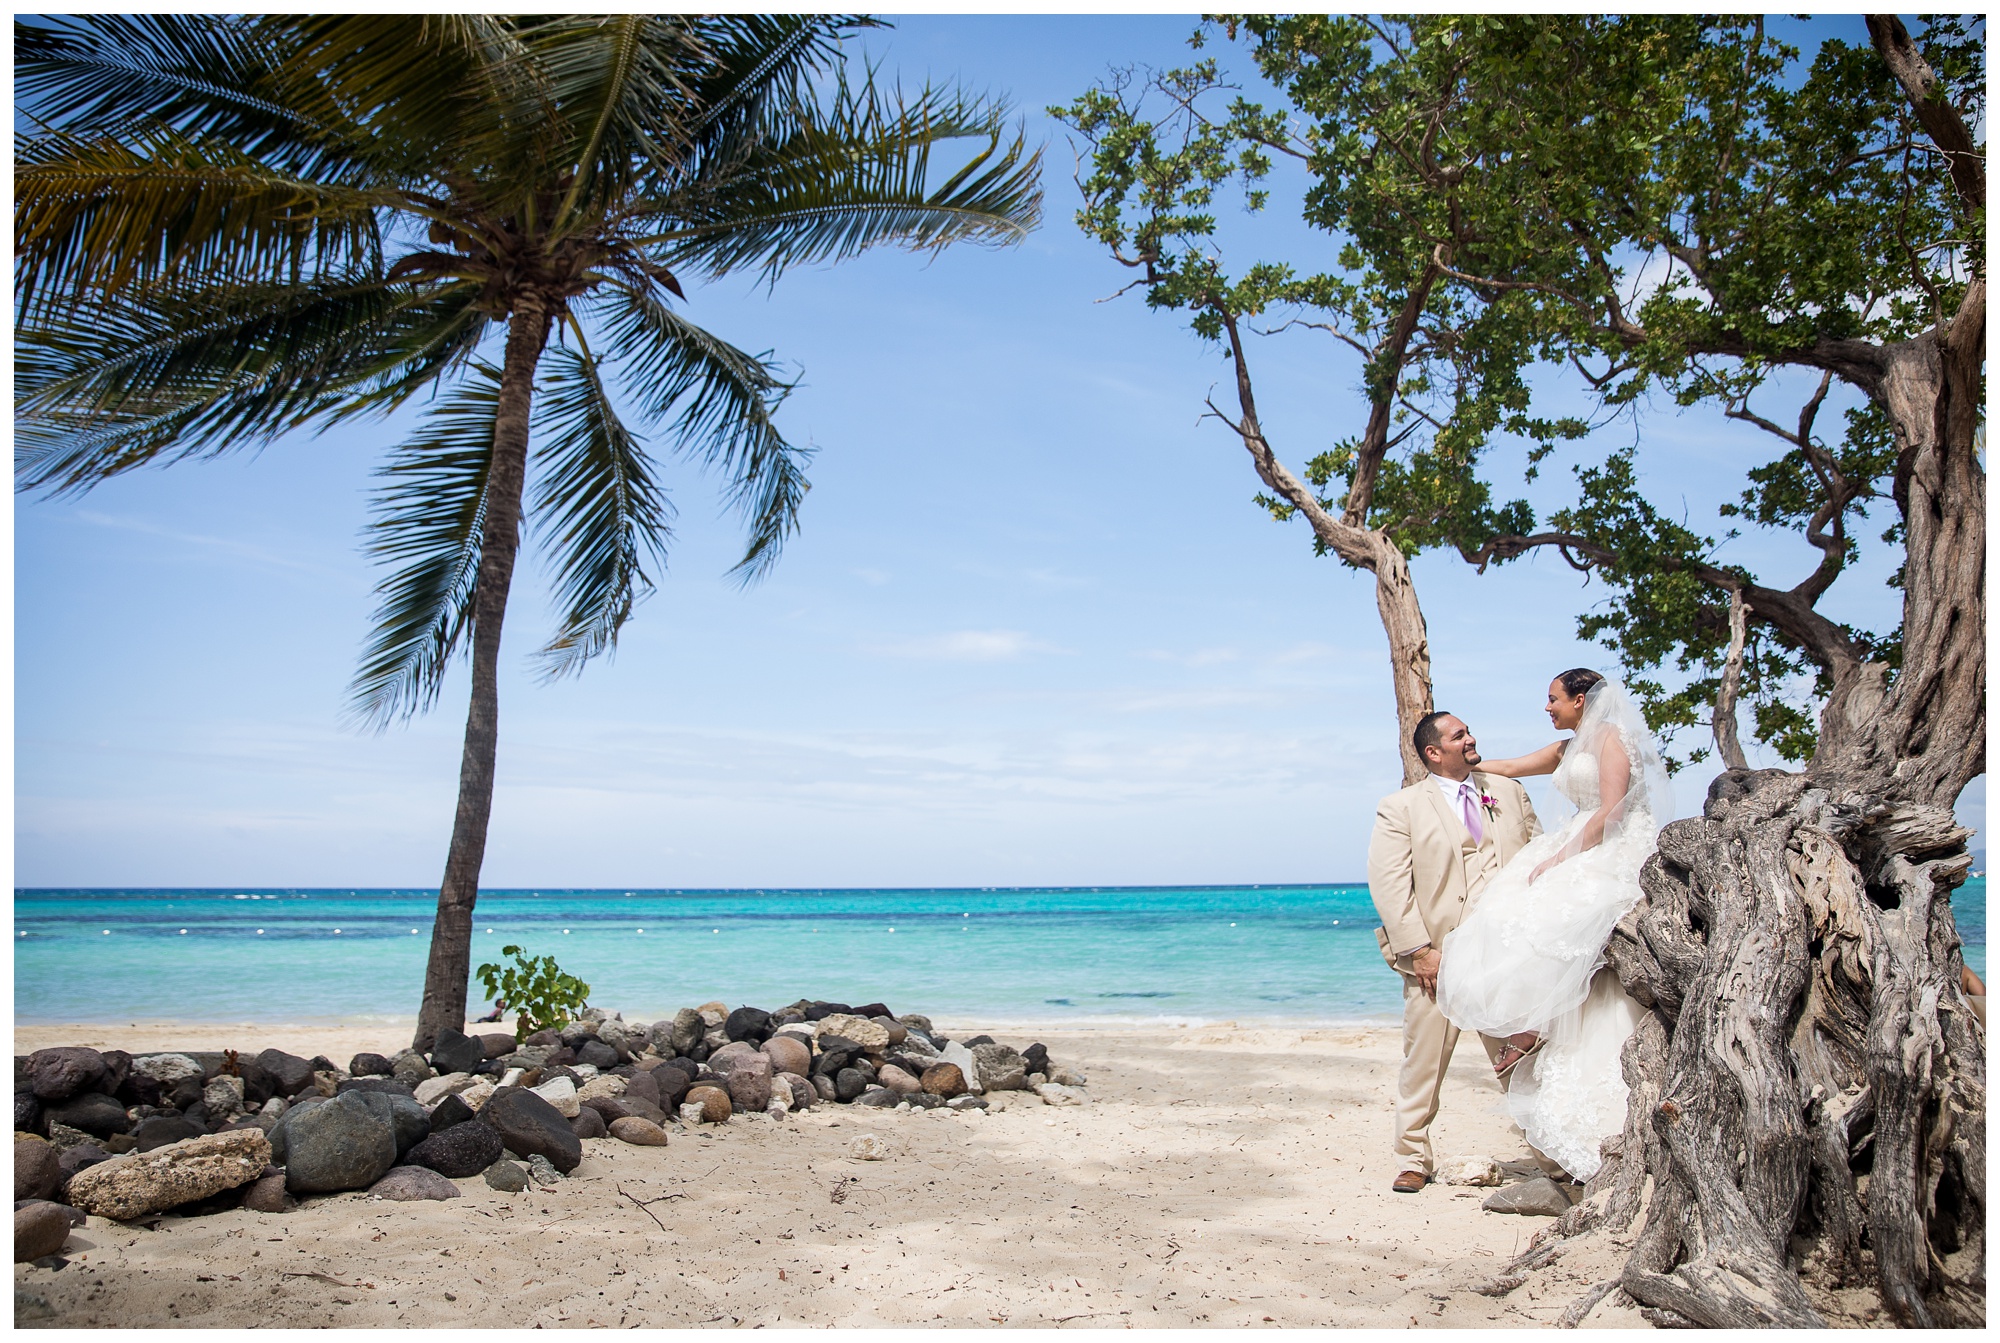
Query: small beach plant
[[535, 988]]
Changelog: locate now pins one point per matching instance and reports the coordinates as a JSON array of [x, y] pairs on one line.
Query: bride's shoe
[[1505, 1064]]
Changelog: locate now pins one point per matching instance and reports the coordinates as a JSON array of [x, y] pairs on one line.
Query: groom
[[1436, 845]]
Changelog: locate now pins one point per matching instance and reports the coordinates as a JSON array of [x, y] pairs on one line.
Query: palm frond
[[428, 519], [853, 175], [159, 375], [97, 213], [597, 507], [720, 403]]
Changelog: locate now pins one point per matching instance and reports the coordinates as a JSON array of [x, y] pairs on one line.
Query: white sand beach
[[1222, 1176]]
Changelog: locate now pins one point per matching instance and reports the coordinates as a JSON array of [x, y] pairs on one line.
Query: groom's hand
[[1425, 966]]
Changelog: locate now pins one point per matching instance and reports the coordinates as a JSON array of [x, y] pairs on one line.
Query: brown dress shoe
[[1410, 1182]]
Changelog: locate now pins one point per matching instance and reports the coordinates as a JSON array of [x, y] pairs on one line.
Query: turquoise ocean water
[[1075, 954]]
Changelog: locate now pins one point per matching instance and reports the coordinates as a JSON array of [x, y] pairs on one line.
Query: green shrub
[[535, 989]]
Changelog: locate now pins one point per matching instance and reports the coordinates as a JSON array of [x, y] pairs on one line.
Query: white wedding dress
[[1529, 957]]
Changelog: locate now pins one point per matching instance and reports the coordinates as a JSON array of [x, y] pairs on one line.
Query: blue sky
[[1033, 630]]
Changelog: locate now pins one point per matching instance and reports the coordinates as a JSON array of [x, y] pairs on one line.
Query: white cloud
[[968, 646]]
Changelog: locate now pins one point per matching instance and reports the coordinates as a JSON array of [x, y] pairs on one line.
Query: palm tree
[[231, 227]]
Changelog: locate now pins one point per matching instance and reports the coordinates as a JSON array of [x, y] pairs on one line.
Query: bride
[[1526, 963]]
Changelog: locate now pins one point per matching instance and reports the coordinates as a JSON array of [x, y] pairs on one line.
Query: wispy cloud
[[968, 646], [225, 545]]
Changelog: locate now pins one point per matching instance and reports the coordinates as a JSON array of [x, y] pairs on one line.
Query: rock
[[639, 1132], [597, 1054], [864, 1032], [63, 1137], [476, 1095], [643, 1086], [434, 1089], [508, 1177], [961, 1057], [587, 1123], [275, 1107], [90, 1112], [1000, 1068], [449, 1112], [58, 1074], [369, 1065], [608, 1108], [788, 1055], [27, 1112], [576, 1032], [1037, 1058], [711, 1105], [410, 1122], [118, 1144], [944, 1079], [804, 1095], [39, 1229], [38, 1171], [406, 1184], [542, 1039], [1068, 1077], [897, 1080], [529, 1126], [1469, 1170], [560, 1093], [388, 1086], [543, 1172], [687, 1030], [916, 1022], [344, 1143], [723, 1059], [267, 1193], [967, 1102], [81, 1158], [161, 1130], [868, 1147], [145, 1182], [289, 1073], [824, 1087], [455, 1052], [850, 1083], [167, 1069], [605, 1087], [497, 1046], [224, 1096], [750, 1084], [747, 1023], [1540, 1197], [461, 1151], [1055, 1093]]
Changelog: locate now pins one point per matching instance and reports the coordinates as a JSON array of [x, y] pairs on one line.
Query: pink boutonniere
[[1491, 803]]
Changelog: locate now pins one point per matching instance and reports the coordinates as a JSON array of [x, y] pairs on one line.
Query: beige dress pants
[[1428, 1040]]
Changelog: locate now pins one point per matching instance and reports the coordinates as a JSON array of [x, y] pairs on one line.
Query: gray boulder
[[688, 1028], [588, 1123], [289, 1074], [405, 1183], [507, 1176], [1540, 1197], [38, 1169], [1000, 1068], [39, 1229], [450, 1112], [369, 1065], [342, 1144], [461, 1151], [58, 1074], [409, 1120], [529, 1126], [455, 1052], [92, 1112]]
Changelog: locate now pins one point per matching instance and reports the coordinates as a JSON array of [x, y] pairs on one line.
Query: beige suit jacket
[[1417, 858]]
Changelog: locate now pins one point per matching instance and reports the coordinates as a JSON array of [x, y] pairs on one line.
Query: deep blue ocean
[[1072, 954]]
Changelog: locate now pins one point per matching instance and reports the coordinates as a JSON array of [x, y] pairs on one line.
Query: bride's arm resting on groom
[[1614, 780]]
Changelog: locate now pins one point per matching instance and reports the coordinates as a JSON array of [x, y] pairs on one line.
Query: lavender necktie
[[1471, 805]]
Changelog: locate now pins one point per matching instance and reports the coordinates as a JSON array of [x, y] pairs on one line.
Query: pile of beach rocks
[[124, 1137]]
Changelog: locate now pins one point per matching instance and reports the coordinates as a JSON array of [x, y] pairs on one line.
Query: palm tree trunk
[[450, 967]]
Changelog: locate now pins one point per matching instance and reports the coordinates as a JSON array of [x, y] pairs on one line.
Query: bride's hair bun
[[1578, 680]]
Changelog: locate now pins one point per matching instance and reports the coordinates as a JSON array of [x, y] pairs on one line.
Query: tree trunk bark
[[1727, 746], [1409, 648], [450, 969]]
